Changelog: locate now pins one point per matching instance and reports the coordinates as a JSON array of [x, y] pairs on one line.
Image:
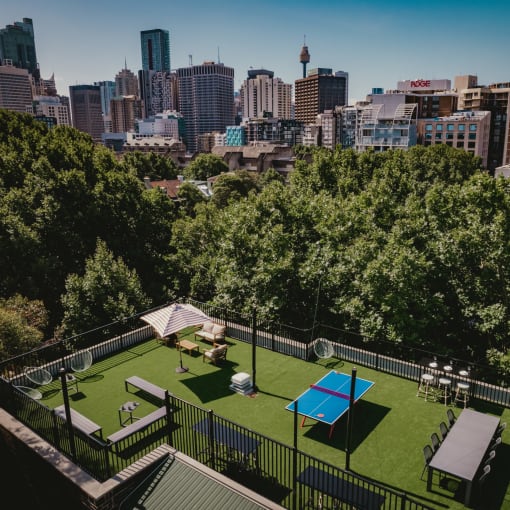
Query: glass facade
[[155, 45]]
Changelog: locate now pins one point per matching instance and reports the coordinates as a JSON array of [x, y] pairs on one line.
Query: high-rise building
[[15, 89], [321, 90], [126, 83], [206, 99], [124, 112], [155, 50], [158, 89], [86, 109], [108, 91], [52, 107], [262, 95], [17, 46], [494, 98]]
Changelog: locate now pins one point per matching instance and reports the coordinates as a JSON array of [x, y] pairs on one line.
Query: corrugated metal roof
[[181, 484]]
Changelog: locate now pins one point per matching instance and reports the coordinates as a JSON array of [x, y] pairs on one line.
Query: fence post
[[294, 458], [210, 423], [169, 418]]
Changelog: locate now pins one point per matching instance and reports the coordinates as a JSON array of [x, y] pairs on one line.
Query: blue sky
[[378, 43]]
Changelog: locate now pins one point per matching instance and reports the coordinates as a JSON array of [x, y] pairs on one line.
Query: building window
[[438, 136], [460, 145], [472, 127], [450, 144], [439, 127], [472, 136], [428, 127], [462, 127], [428, 136], [449, 136], [450, 127], [471, 145], [460, 136]]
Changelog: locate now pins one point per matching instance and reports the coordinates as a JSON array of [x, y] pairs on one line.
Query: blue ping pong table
[[328, 399]]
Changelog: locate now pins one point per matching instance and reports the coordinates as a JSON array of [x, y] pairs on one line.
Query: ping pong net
[[330, 392]]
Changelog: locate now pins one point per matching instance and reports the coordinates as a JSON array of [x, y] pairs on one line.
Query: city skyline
[[378, 44]]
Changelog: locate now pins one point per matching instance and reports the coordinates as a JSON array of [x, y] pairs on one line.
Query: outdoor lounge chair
[[216, 354], [81, 361], [428, 453]]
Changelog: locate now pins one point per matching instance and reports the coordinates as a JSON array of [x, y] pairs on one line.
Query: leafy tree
[[189, 196], [107, 291], [205, 166], [232, 187], [150, 164]]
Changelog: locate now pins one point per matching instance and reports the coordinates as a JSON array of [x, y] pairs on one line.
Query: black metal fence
[[277, 471]]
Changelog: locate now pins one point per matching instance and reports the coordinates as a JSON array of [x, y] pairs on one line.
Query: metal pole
[[350, 417], [67, 409], [294, 458], [254, 349]]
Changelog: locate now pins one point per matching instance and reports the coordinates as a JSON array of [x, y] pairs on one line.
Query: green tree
[[150, 164], [205, 166], [189, 196], [107, 291], [232, 187]]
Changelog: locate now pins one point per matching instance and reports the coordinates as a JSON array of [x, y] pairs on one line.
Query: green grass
[[391, 425]]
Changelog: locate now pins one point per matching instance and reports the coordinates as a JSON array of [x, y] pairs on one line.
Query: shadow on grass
[[366, 417], [330, 363], [214, 385]]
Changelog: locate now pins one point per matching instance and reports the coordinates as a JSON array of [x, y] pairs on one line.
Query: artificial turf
[[390, 425]]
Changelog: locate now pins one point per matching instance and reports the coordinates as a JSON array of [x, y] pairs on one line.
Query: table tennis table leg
[[331, 431], [303, 421]]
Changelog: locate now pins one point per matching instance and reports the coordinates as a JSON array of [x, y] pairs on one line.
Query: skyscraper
[[126, 83], [15, 89], [17, 46], [263, 95], [206, 100], [86, 109], [155, 50], [321, 90]]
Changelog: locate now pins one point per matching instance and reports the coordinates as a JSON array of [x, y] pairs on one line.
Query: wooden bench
[[137, 425], [80, 422], [146, 386]]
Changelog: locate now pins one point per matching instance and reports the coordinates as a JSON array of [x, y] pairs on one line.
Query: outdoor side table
[[127, 409]]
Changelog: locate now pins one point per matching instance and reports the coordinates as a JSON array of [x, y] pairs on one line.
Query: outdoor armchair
[[216, 354]]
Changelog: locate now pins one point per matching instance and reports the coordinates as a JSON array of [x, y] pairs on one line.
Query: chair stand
[[425, 386]]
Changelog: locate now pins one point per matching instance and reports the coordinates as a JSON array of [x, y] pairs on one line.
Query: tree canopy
[[409, 246]]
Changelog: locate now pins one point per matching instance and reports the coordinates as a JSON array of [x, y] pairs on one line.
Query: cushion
[[218, 330], [207, 327]]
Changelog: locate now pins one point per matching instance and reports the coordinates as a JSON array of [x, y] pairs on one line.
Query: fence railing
[[277, 471]]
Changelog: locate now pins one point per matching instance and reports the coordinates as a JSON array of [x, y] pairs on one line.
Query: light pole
[[316, 305]]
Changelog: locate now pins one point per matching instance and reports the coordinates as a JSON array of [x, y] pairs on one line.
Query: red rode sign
[[420, 83]]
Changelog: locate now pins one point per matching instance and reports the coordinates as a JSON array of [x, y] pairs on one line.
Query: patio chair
[[436, 442], [38, 375], [428, 453], [500, 429], [451, 417], [216, 354], [495, 443], [489, 458], [81, 361], [443, 429], [485, 473], [323, 348]]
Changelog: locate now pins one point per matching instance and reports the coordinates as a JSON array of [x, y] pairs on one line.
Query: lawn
[[391, 425]]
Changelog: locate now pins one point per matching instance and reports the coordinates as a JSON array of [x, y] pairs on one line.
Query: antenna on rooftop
[[190, 60], [125, 63], [219, 61]]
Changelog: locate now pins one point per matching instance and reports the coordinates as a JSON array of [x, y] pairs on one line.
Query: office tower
[[321, 90], [494, 98], [469, 131], [126, 83], [206, 97], [262, 95], [155, 50], [15, 89], [158, 89], [17, 46], [86, 109], [108, 90], [52, 107], [124, 112]]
